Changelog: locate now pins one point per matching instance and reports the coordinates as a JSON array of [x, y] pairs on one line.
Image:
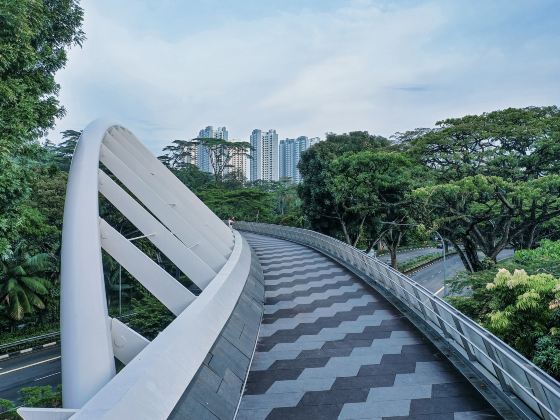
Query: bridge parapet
[[520, 384]]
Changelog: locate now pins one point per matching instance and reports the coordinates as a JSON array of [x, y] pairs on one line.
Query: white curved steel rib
[[174, 220]]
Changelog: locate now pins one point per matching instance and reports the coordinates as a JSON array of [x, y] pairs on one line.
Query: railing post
[[466, 346], [539, 393], [420, 304], [440, 320], [492, 354]]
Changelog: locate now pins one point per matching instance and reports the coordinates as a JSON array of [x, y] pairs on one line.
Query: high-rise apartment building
[[202, 155], [264, 156], [239, 164], [290, 154]]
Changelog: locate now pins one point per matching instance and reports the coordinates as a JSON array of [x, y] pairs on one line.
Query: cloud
[[360, 65]]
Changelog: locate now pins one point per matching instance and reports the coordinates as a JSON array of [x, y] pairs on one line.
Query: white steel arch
[[172, 218]]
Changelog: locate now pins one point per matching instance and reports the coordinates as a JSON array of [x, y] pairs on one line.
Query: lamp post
[[443, 250]]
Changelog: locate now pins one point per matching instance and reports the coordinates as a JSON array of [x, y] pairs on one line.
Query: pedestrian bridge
[[272, 322]]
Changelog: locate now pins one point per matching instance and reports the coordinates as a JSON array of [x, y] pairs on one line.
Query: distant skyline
[[164, 69]]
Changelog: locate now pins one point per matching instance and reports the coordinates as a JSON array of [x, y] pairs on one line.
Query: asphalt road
[[37, 368], [408, 255], [431, 277]]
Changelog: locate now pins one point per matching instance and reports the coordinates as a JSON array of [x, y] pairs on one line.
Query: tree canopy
[[34, 37], [321, 208], [515, 144], [484, 213], [372, 188], [220, 154]]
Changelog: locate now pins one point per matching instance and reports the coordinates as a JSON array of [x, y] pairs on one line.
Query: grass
[[419, 261]]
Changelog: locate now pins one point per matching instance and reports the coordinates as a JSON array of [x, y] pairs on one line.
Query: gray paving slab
[[329, 350]]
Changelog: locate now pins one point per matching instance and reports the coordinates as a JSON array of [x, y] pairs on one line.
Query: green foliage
[[17, 217], [244, 204], [523, 302], [544, 259], [34, 36], [220, 154], [520, 296], [34, 396], [497, 179], [193, 177], [23, 285], [8, 410], [320, 207], [515, 144], [547, 354], [41, 396], [62, 153], [487, 213], [373, 187], [30, 330], [151, 317], [355, 141], [284, 200], [418, 261]]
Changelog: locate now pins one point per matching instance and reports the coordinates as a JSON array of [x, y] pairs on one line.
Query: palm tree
[[23, 282]]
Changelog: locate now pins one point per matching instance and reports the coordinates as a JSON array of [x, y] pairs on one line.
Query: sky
[[166, 69]]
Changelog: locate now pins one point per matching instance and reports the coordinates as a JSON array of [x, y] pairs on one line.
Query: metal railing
[[41, 337], [521, 382], [5, 347]]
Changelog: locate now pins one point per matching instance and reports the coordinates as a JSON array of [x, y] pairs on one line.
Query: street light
[[443, 250], [442, 245]]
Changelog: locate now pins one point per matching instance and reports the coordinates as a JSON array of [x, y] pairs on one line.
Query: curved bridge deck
[[331, 347]]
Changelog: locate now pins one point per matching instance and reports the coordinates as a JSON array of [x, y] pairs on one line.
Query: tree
[[243, 204], [193, 177], [220, 153], [64, 151], [178, 155], [488, 213], [24, 283], [319, 206], [372, 187], [515, 144], [33, 38], [286, 197]]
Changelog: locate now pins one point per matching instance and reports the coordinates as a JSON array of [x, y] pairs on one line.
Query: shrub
[[547, 354], [8, 410], [522, 302], [41, 396]]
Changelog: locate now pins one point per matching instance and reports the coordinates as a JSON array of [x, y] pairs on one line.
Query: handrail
[[506, 368]]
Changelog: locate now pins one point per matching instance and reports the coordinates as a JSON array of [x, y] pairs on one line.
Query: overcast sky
[[167, 68]]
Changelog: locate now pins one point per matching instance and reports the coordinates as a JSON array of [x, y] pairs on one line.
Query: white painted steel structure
[[182, 228], [522, 383]]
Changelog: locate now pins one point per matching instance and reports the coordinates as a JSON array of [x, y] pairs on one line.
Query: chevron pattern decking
[[331, 347]]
